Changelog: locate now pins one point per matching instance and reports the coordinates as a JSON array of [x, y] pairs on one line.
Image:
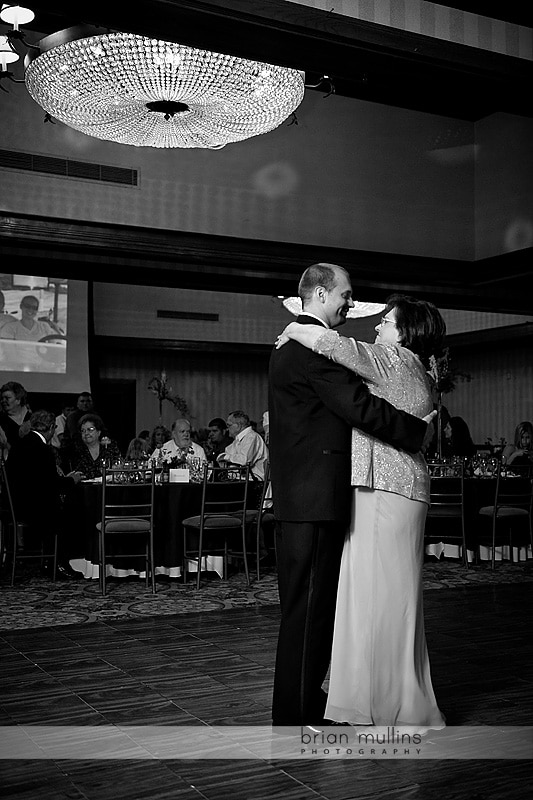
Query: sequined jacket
[[396, 374]]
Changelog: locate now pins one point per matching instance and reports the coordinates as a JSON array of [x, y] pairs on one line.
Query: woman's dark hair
[[135, 448], [18, 390], [462, 443], [157, 428], [522, 427], [96, 421], [420, 325]]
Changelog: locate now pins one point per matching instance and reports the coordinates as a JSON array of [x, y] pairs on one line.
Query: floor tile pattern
[[216, 669]]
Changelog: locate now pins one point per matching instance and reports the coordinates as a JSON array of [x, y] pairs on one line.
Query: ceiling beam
[[145, 256]]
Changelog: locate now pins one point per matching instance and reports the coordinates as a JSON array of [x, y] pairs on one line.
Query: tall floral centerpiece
[[163, 391], [444, 379]]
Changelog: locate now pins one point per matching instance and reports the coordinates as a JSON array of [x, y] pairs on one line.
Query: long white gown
[[380, 671], [380, 667]]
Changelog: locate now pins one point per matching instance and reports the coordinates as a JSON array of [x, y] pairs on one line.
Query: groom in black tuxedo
[[313, 405]]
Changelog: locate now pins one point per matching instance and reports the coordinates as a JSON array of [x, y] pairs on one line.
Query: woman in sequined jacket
[[380, 667]]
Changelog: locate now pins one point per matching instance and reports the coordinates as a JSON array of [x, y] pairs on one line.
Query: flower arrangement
[[163, 391], [444, 379], [173, 460], [443, 375]]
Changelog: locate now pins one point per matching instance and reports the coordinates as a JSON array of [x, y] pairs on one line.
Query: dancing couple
[[348, 423]]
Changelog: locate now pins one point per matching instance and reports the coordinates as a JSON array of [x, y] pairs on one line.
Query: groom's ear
[[321, 293]]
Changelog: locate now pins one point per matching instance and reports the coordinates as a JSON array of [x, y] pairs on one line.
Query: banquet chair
[[447, 506], [14, 532], [127, 513], [264, 518], [258, 518], [511, 511], [221, 522]]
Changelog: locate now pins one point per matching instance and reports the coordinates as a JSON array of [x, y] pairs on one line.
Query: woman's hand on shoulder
[[306, 335], [287, 334]]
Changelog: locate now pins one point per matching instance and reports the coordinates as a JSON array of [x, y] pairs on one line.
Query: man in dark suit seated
[[38, 488]]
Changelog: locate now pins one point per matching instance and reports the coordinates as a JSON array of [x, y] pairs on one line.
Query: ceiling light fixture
[[360, 309], [134, 90]]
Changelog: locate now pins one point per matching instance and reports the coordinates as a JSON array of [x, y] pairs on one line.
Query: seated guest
[[145, 436], [38, 499], [136, 450], [61, 420], [218, 438], [160, 435], [84, 405], [15, 411], [520, 453], [28, 327], [180, 446], [247, 447], [457, 438], [71, 439], [266, 426], [96, 448]]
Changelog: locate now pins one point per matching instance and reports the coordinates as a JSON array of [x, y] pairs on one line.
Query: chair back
[[512, 506], [266, 487], [514, 488], [6, 498], [224, 491], [128, 508], [18, 527], [222, 515], [127, 495], [446, 485], [446, 489]]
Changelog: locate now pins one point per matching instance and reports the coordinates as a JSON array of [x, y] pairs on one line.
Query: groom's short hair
[[318, 275]]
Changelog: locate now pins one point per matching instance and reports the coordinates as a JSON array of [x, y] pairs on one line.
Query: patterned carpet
[[36, 602]]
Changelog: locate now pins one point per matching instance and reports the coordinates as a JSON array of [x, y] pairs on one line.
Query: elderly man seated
[[180, 446], [38, 488], [247, 447]]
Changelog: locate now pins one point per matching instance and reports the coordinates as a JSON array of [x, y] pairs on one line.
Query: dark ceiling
[[364, 60]]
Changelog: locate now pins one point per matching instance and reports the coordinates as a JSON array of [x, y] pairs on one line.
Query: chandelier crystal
[[149, 93]]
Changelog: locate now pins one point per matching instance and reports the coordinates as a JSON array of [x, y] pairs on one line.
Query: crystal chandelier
[[149, 93]]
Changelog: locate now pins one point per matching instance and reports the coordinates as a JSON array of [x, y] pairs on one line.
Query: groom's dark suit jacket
[[313, 405]]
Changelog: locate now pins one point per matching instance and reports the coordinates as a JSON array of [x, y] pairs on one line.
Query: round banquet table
[[173, 503], [478, 492]]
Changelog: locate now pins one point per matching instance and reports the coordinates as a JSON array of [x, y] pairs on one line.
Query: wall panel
[[500, 394], [212, 384]]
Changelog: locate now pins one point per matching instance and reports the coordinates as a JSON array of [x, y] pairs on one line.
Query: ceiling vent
[[81, 170], [187, 315]]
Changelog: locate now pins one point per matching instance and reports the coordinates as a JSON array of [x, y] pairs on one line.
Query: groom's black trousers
[[308, 562]]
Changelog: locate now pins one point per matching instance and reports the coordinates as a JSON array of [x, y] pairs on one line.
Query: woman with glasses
[[13, 414], [95, 449], [380, 667]]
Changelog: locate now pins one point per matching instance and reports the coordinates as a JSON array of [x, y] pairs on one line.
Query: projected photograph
[[33, 324]]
